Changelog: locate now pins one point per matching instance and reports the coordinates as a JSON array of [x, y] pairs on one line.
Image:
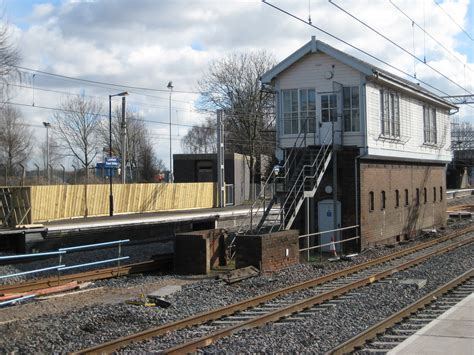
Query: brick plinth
[[197, 252], [268, 252]]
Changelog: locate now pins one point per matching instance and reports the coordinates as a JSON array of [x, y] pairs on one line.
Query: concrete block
[[419, 283], [165, 291]]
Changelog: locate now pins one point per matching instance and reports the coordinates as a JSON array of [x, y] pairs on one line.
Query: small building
[[360, 146], [203, 168]]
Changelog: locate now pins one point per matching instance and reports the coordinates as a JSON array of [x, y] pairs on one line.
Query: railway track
[[283, 304], [393, 330], [160, 262]]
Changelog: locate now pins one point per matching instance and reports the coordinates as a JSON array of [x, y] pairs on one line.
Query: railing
[[61, 252], [298, 186], [320, 246]]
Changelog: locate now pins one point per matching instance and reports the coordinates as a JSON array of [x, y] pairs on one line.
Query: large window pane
[[355, 97], [312, 100]]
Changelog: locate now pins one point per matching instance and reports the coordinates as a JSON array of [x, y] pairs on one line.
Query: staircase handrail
[[324, 148]]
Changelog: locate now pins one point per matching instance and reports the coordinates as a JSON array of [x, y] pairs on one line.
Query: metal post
[[37, 173], [220, 159], [22, 182], [51, 170], [47, 125], [75, 174], [308, 228], [64, 172], [111, 195], [124, 143], [334, 180], [170, 86]]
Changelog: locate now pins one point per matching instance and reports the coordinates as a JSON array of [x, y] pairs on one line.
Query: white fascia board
[[267, 77], [397, 155]]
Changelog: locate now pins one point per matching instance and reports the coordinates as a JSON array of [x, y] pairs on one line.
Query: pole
[[124, 143], [171, 154], [111, 196], [220, 159], [47, 155]]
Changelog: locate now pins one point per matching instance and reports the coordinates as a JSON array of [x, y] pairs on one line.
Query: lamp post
[[111, 195], [170, 86], [47, 125]]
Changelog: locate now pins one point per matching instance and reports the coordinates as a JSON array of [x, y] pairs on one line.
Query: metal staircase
[[286, 188]]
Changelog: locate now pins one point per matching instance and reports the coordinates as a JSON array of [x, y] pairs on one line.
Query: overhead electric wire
[[462, 29], [429, 35], [354, 47], [399, 46], [101, 82], [106, 116]]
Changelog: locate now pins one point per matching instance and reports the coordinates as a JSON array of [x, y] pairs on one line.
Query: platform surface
[[451, 333], [144, 218]]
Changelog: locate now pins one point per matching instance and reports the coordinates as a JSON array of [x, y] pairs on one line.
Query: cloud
[[147, 43]]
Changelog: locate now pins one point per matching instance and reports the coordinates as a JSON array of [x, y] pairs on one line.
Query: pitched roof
[[364, 67]]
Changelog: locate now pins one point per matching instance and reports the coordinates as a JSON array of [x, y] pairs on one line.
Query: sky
[[147, 43]]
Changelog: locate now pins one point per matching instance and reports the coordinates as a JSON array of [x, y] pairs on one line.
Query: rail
[[360, 339], [61, 252], [307, 236], [215, 314]]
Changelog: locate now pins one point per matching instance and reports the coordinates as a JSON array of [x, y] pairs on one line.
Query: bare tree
[[140, 153], [76, 126], [462, 136], [233, 84], [15, 139], [201, 139], [55, 153]]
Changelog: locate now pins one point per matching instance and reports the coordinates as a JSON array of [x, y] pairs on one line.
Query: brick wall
[[268, 252], [199, 251], [385, 225]]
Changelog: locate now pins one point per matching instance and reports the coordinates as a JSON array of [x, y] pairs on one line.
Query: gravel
[[143, 251], [91, 325]]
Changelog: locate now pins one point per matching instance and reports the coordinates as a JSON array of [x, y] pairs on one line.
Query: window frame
[[430, 126], [351, 109], [389, 114], [299, 112]]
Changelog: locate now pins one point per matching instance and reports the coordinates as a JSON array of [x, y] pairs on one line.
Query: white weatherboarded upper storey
[[386, 116]]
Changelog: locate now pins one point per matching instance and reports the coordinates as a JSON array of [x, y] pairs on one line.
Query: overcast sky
[[146, 43]]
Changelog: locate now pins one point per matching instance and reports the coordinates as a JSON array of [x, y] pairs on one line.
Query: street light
[[170, 86], [47, 125], [111, 195]]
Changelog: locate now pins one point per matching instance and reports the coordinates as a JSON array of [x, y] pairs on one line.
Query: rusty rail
[[162, 261], [360, 339], [204, 317]]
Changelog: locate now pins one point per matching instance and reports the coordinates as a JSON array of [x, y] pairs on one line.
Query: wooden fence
[[55, 202]]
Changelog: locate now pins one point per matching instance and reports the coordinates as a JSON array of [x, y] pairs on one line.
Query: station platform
[[124, 220], [451, 333]]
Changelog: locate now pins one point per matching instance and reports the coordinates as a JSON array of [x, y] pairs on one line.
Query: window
[[441, 193], [406, 197], [383, 200], [308, 110], [299, 110], [425, 195], [329, 108], [350, 109], [434, 194], [397, 198], [417, 197], [429, 125], [371, 201], [390, 114], [290, 111]]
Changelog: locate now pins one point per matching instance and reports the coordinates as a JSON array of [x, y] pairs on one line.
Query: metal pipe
[[15, 300], [31, 271], [93, 263], [326, 244], [88, 246], [75, 174], [25, 256], [50, 174], [328, 231]]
